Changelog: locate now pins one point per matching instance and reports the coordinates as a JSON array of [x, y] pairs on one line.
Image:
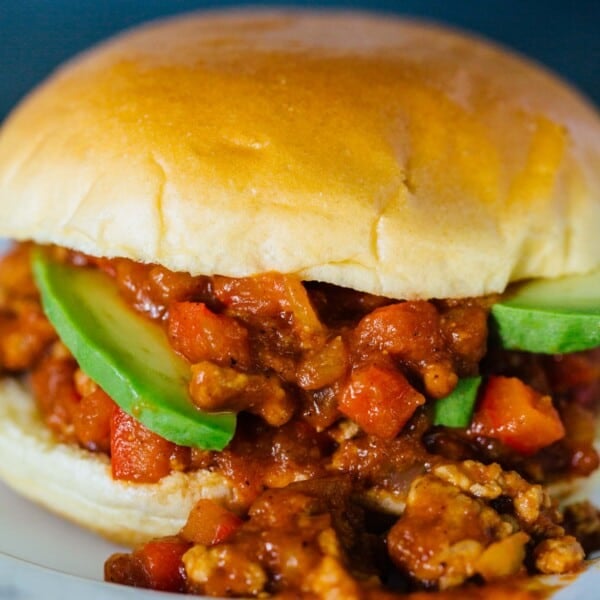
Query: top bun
[[384, 155]]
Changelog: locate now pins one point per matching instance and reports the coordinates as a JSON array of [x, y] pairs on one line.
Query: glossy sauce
[[302, 364]]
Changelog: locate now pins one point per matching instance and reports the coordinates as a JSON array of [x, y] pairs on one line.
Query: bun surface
[[384, 155], [78, 485]]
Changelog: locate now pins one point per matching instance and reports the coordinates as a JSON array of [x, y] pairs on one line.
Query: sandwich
[[304, 303]]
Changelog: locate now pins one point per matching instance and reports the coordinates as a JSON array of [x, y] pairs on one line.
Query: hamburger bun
[[78, 485], [384, 155]]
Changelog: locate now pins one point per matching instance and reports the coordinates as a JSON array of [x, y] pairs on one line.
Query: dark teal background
[[36, 35]]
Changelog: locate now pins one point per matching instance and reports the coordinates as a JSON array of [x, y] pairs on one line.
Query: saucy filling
[[341, 481]]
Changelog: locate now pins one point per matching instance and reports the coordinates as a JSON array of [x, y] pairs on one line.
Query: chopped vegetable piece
[[410, 332], [162, 564], [209, 523], [380, 400], [456, 409], [517, 415], [138, 454], [407, 330], [127, 355], [551, 316], [200, 334]]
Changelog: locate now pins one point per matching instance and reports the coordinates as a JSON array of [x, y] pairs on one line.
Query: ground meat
[[24, 330], [342, 484], [24, 335], [411, 333], [443, 533], [575, 390], [288, 535], [464, 327], [563, 554], [261, 456], [308, 337], [582, 520], [316, 540], [216, 388], [388, 467], [452, 529], [531, 505], [53, 384], [309, 537], [150, 289], [286, 352]]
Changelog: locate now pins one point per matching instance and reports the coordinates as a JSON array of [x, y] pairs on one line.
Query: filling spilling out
[[380, 444]]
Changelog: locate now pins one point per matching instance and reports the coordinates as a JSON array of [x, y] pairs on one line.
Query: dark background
[[36, 35]]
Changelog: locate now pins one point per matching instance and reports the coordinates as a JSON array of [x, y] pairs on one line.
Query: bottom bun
[[77, 484]]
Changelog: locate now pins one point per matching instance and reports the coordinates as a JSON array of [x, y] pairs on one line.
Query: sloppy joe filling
[[340, 480]]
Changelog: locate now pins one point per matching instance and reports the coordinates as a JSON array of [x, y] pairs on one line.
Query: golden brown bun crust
[[388, 156], [77, 484]]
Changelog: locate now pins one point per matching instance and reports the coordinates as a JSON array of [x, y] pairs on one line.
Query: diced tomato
[[209, 523], [380, 400], [138, 454], [162, 565], [517, 415], [200, 334]]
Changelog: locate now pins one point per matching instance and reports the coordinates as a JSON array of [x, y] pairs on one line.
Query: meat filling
[[341, 482]]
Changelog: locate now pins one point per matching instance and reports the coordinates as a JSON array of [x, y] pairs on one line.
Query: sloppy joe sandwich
[[304, 303]]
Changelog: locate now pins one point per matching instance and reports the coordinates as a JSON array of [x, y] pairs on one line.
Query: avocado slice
[[128, 356], [456, 409], [546, 316], [550, 316]]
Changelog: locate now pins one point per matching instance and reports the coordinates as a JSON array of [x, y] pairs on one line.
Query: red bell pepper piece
[[517, 415], [380, 400]]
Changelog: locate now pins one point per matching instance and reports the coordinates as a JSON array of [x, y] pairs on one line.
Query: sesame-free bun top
[[376, 153]]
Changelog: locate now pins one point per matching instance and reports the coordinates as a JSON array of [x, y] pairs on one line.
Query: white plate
[[45, 557]]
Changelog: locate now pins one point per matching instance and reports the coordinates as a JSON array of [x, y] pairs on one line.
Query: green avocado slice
[[456, 409], [128, 356], [550, 316]]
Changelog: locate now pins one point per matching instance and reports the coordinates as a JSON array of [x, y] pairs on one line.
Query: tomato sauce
[[334, 390]]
